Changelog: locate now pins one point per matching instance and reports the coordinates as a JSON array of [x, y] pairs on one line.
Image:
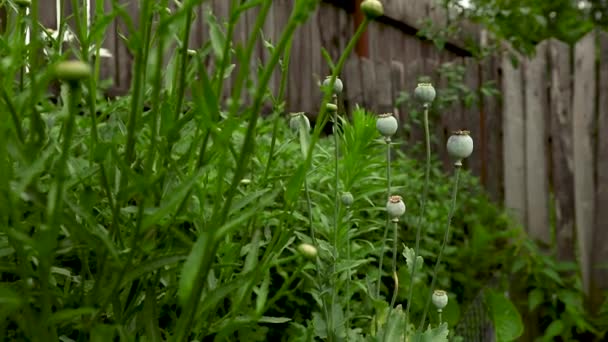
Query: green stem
[[309, 204], [336, 214], [446, 237], [178, 94], [348, 281], [427, 173], [394, 264], [388, 194]]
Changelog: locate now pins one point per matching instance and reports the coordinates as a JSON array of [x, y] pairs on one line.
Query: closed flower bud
[[460, 146], [372, 8], [72, 70], [296, 118], [307, 250], [338, 86], [440, 299], [332, 107], [425, 92], [347, 199], [387, 124], [395, 207]]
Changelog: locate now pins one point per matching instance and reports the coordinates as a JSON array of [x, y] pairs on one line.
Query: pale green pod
[[460, 145], [347, 199], [387, 124], [395, 207], [372, 8], [338, 85], [425, 93], [294, 121], [307, 250], [440, 299], [74, 70]]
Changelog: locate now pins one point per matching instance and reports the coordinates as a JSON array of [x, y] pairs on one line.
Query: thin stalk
[[219, 217], [394, 264], [348, 281], [336, 214], [309, 204], [178, 94], [53, 228], [388, 194], [22, 27], [446, 237], [427, 173]]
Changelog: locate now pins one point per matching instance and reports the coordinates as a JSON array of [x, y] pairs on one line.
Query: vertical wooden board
[[397, 82], [560, 97], [48, 14], [319, 67], [384, 91], [329, 34], [353, 85], [599, 282], [583, 126], [514, 138], [492, 129], [296, 76], [411, 58], [472, 118], [535, 137], [368, 79]]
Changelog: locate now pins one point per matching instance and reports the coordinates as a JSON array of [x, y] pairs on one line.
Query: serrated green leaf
[[553, 330], [409, 253], [535, 298], [508, 325], [438, 334]]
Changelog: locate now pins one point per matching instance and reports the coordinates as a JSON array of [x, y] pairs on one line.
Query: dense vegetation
[[167, 216]]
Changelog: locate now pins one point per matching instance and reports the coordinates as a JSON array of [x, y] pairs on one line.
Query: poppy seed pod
[[440, 299], [307, 250], [372, 8], [395, 207], [347, 199], [338, 85], [425, 92], [332, 107], [72, 71], [460, 146], [294, 121], [387, 124]]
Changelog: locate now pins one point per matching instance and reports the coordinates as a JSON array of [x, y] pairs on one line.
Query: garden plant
[[185, 211]]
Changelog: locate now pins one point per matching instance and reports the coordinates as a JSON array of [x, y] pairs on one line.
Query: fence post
[[513, 149], [599, 274], [535, 141], [583, 130]]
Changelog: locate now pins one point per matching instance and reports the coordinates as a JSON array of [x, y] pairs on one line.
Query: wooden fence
[[555, 123], [541, 148]]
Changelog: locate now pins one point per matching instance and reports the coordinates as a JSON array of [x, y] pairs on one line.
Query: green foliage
[[174, 212]]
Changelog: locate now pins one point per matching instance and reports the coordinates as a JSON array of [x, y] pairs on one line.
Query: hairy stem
[[446, 237], [388, 194], [427, 173], [394, 264]]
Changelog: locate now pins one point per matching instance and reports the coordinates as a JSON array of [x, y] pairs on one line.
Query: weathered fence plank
[[560, 99], [583, 129], [599, 273], [471, 117], [535, 140], [492, 128], [513, 148]]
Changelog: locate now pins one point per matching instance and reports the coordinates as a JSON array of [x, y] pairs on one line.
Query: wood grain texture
[[471, 117], [383, 88], [513, 148], [599, 272], [492, 130], [583, 130], [536, 109], [560, 99]]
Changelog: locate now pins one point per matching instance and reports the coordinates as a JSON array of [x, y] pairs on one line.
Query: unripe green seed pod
[[395, 207], [425, 93], [372, 8], [72, 71], [296, 118], [460, 146], [307, 250], [440, 299], [338, 85], [332, 107], [387, 124], [347, 198]]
